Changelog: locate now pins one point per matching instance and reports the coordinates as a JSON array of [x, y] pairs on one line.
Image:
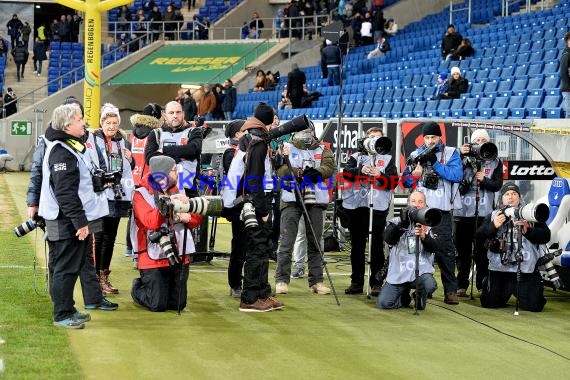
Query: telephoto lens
[[309, 196], [552, 274], [209, 205], [168, 250], [24, 228], [247, 216]]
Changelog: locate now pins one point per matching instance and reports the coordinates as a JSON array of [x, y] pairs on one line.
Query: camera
[[429, 178], [374, 145], [30, 225], [470, 167], [484, 152], [551, 273], [209, 205], [162, 238], [102, 180], [297, 124], [309, 196], [426, 216], [247, 215], [531, 212]]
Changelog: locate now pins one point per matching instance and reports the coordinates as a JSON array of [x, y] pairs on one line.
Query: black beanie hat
[[153, 109], [430, 128], [233, 127], [264, 113], [507, 187]]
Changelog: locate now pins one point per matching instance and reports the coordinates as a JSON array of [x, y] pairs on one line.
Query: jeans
[[38, 66], [228, 115], [566, 104], [290, 217], [300, 247], [394, 296], [334, 76], [105, 243]]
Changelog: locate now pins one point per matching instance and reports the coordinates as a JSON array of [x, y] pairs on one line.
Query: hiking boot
[[298, 273], [82, 317], [105, 284], [259, 306], [281, 288], [462, 293], [69, 323], [105, 305], [275, 303], [235, 292], [451, 298], [319, 288], [375, 290], [354, 289]]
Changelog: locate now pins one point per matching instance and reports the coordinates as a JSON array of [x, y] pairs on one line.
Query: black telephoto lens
[[24, 228]]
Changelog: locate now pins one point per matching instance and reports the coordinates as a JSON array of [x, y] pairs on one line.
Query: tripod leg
[[213, 230]]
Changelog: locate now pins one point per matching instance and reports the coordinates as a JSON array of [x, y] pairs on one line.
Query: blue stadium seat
[[500, 106], [510, 59], [470, 107], [396, 111], [498, 61], [419, 107], [376, 110], [443, 109], [551, 67], [551, 55], [552, 84], [551, 105], [457, 108], [477, 89], [516, 107], [386, 109], [490, 87], [532, 107], [485, 107], [407, 95], [535, 68], [408, 110], [366, 108], [535, 82], [431, 108], [421, 92], [357, 110]]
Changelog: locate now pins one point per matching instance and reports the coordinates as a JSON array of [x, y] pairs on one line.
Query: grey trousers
[[290, 217]]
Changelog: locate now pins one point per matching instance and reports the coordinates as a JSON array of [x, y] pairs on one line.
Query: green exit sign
[[21, 128]]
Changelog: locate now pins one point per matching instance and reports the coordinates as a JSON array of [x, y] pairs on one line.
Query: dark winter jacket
[[330, 55], [457, 87], [20, 54], [450, 42], [230, 100], [40, 51], [565, 70]]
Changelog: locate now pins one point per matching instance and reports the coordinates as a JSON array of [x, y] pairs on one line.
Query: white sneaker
[[35, 72], [319, 288], [281, 288], [39, 74]]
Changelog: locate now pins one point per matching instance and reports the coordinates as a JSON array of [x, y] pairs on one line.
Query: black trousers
[[90, 287], [161, 289], [445, 254], [255, 272], [67, 259], [276, 220], [359, 221], [463, 238], [105, 243], [498, 287], [237, 255]]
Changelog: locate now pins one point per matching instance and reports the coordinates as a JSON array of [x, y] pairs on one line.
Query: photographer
[[91, 290], [505, 254], [312, 164], [177, 140], [162, 285], [400, 235], [71, 208], [438, 167], [238, 245], [356, 202], [250, 174], [119, 182], [481, 179]]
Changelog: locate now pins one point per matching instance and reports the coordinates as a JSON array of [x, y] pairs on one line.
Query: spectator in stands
[[279, 22], [565, 76], [14, 29], [378, 22], [255, 26], [377, 5], [285, 102], [20, 54], [260, 81], [179, 24], [39, 56], [390, 28], [140, 26], [457, 85], [450, 41], [270, 81], [441, 85], [10, 102], [124, 18], [75, 26], [332, 59], [148, 5], [356, 29], [42, 33], [463, 51], [3, 47], [207, 104], [26, 31], [62, 29], [230, 99], [169, 23], [218, 91], [382, 48], [189, 106], [295, 83], [191, 4], [245, 31], [366, 30], [155, 18]]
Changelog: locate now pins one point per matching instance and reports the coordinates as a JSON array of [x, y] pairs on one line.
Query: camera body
[[429, 177], [30, 225], [247, 215], [112, 180], [470, 167], [162, 238]]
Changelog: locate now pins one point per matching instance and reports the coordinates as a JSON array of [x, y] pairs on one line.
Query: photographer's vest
[[116, 148], [235, 177], [444, 195], [153, 249], [94, 204], [530, 252], [486, 197], [402, 262], [357, 194], [92, 150], [137, 151], [297, 158], [187, 168]]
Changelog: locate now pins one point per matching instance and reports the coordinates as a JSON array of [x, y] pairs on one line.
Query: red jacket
[[148, 218]]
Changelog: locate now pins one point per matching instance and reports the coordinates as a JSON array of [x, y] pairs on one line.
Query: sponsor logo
[[530, 170]]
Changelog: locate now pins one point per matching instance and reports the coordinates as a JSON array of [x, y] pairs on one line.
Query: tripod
[[417, 272], [475, 225], [370, 223], [299, 199], [519, 259]]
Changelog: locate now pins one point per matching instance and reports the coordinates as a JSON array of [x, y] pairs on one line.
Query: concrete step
[[30, 83]]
